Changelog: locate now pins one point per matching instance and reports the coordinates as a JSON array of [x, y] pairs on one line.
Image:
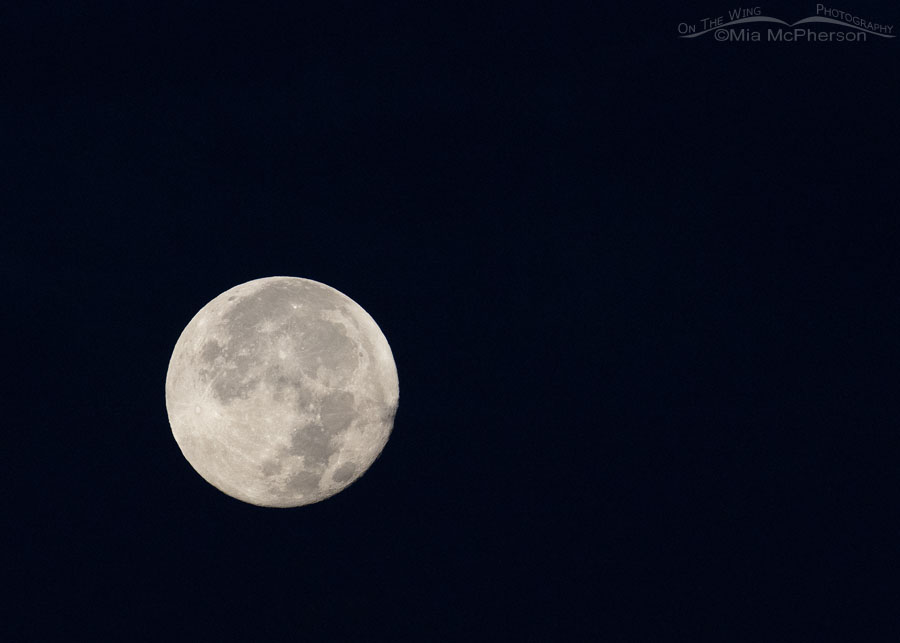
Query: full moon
[[281, 391]]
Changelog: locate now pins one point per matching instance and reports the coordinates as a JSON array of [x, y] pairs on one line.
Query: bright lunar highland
[[281, 391]]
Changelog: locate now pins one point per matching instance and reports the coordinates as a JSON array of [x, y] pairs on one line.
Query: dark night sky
[[641, 292]]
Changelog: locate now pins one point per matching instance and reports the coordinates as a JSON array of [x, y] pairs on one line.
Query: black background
[[641, 292]]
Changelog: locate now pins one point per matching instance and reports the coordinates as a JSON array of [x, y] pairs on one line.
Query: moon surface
[[281, 391]]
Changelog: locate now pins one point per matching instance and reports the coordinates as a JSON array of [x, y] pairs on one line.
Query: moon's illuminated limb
[[281, 391]]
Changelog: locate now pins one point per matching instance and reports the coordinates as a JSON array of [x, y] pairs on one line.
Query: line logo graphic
[[750, 24]]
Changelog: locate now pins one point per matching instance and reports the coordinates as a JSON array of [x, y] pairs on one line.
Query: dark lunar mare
[[288, 308]]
